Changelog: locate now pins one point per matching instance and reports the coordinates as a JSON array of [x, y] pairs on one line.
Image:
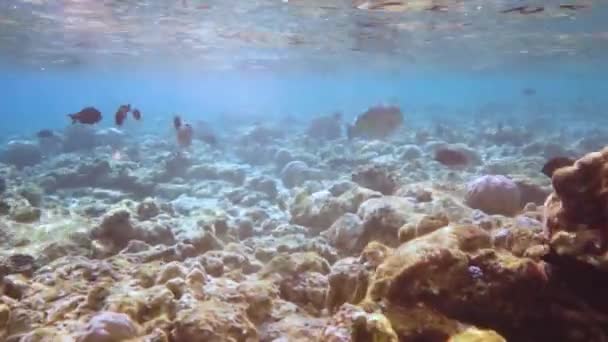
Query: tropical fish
[[136, 114], [45, 134], [184, 132], [529, 91], [177, 122], [88, 116], [555, 164], [121, 114], [524, 9], [184, 135], [376, 123], [572, 7], [437, 8], [451, 157]]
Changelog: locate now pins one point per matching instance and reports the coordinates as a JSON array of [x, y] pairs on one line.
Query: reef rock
[[318, 210], [109, 326], [576, 218], [345, 232], [348, 282], [353, 324], [382, 217], [213, 321], [297, 172], [494, 195], [21, 154], [117, 229], [376, 178]]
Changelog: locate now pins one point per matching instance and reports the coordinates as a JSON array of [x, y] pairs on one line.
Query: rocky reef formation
[[575, 213], [268, 235]]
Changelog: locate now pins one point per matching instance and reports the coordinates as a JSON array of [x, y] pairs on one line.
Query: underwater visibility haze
[[303, 170]]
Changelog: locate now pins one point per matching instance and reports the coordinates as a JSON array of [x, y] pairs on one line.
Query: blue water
[[34, 99]]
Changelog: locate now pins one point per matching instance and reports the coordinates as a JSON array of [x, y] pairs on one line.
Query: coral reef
[[271, 235], [575, 214]]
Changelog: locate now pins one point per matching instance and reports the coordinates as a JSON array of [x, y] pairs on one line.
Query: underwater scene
[[303, 170]]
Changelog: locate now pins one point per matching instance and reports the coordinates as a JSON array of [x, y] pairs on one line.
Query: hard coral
[[494, 195]]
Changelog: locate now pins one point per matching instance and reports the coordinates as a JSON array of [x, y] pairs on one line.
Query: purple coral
[[494, 195]]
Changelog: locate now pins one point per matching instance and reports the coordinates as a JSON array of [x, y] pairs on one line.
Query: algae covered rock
[[576, 219], [345, 232], [376, 178], [353, 324], [348, 282], [213, 321], [382, 217], [318, 210]]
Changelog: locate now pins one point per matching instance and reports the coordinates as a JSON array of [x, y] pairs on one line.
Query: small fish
[[555, 164], [376, 123], [184, 135], [524, 9], [120, 117], [437, 8], [572, 7], [88, 116], [121, 114], [529, 91], [45, 134], [451, 157], [136, 114], [177, 122]]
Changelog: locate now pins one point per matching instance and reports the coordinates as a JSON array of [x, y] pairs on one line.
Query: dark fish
[[524, 9], [376, 123], [121, 114], [572, 7], [136, 114], [437, 8], [529, 91], [45, 134], [451, 157], [177, 122], [120, 117], [184, 135], [88, 116], [555, 164]]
